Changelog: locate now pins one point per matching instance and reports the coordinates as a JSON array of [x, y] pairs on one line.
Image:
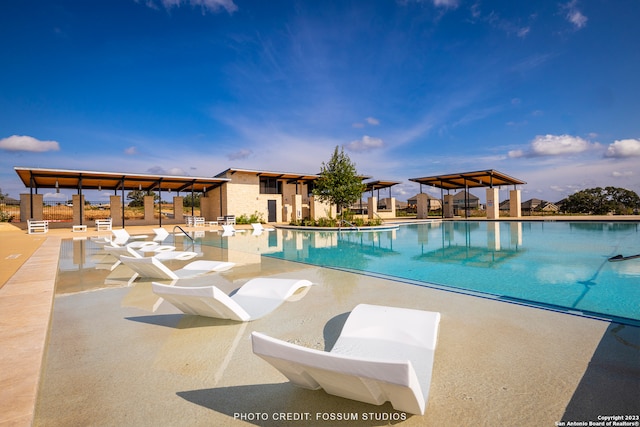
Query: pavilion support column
[[116, 210], [31, 207], [148, 210], [296, 213], [447, 207], [178, 209], [493, 203], [515, 204], [206, 207], [372, 207], [422, 206], [78, 203]]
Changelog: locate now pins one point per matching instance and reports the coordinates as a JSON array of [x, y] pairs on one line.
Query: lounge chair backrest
[[363, 379], [161, 234], [257, 226], [199, 300], [149, 267], [121, 235], [382, 354]]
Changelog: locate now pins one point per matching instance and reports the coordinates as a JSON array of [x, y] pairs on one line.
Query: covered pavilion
[[491, 179], [372, 202], [36, 178]]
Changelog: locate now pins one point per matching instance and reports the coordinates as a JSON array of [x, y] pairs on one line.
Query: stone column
[[296, 215], [515, 204], [26, 208], [78, 209], [115, 205], [178, 209], [422, 206], [447, 207], [148, 209], [372, 206], [493, 203]]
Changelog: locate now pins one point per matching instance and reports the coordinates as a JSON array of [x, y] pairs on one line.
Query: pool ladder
[[347, 222], [184, 232]]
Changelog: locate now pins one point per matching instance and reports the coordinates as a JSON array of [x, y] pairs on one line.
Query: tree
[[137, 198], [601, 201], [339, 183], [192, 201]]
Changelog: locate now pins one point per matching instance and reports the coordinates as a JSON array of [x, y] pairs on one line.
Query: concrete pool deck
[[496, 363]]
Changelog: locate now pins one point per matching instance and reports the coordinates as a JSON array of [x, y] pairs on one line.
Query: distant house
[[434, 204], [465, 199], [9, 201], [538, 205], [386, 204]]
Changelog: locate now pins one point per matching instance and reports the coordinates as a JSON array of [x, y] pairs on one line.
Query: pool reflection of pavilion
[[457, 245]]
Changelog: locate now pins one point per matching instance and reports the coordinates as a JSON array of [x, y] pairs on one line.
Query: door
[[271, 208]]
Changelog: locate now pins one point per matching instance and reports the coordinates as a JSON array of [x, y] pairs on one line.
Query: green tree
[[339, 183], [190, 200], [137, 197], [601, 201]]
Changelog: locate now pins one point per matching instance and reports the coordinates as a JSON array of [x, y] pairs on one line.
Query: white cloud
[[367, 143], [573, 15], [240, 155], [445, 3], [554, 145], [210, 5], [159, 170], [131, 151], [623, 174], [373, 121], [624, 148], [27, 143]]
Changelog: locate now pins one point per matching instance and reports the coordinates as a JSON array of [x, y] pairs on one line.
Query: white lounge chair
[[228, 230], [257, 227], [155, 269], [162, 252], [161, 234], [122, 236], [382, 354], [255, 299]]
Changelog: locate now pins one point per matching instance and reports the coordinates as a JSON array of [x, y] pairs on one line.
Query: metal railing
[[184, 232], [347, 222]]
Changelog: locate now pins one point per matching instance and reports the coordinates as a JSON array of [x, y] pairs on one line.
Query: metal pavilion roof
[[93, 180], [485, 178]]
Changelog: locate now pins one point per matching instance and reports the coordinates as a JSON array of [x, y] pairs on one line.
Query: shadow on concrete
[[611, 383]]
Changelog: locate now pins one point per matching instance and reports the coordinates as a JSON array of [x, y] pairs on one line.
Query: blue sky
[[545, 91]]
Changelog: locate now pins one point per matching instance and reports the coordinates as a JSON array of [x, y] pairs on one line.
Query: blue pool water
[[561, 265]]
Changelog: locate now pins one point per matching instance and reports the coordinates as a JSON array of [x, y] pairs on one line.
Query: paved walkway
[[28, 268]]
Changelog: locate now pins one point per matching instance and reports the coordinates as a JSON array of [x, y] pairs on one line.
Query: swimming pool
[[557, 265]]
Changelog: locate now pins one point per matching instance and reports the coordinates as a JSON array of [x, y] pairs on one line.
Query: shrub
[[256, 217], [5, 216]]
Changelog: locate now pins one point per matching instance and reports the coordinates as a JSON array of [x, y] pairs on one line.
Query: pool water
[[558, 265]]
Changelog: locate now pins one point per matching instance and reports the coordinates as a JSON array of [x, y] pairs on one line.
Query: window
[[270, 186]]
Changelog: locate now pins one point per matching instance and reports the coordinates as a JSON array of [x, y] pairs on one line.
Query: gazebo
[[491, 179], [81, 180]]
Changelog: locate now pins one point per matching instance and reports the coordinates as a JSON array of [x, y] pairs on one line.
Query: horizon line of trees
[[602, 201]]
